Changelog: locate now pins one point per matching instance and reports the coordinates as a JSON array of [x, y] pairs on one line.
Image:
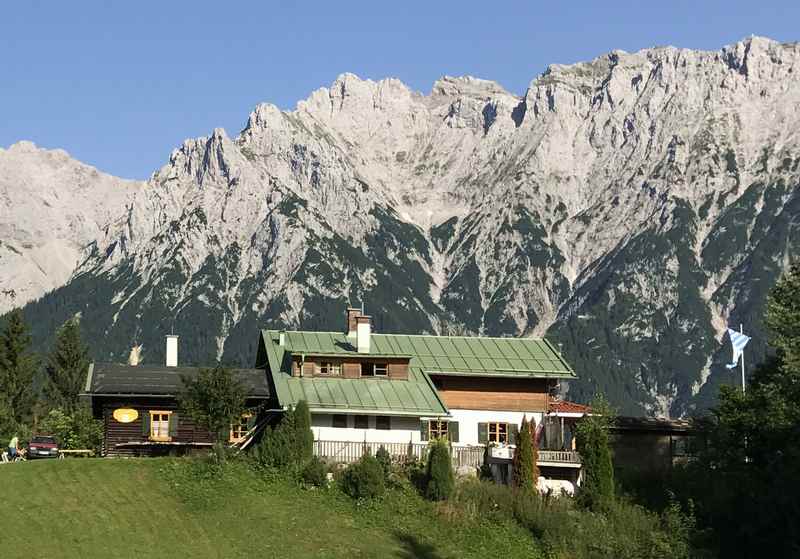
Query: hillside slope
[[629, 207], [148, 508]]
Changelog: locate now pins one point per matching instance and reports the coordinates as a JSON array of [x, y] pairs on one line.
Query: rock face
[[52, 207], [629, 207]]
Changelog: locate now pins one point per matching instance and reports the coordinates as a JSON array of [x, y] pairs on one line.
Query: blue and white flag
[[738, 341]]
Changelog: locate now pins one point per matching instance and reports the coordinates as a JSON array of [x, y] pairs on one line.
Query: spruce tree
[[748, 460], [782, 319], [526, 472], [66, 367], [17, 368], [592, 439]]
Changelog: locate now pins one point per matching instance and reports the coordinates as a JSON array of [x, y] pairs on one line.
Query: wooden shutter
[[173, 425], [423, 429], [452, 431], [146, 423], [483, 433], [513, 429]]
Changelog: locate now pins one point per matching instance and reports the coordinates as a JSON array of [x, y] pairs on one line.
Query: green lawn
[[167, 508]]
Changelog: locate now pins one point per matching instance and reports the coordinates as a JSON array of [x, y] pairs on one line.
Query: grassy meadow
[[87, 508]]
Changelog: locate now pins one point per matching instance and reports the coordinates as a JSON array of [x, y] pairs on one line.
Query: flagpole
[[741, 331]]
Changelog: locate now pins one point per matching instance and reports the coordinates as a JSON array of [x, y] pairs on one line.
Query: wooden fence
[[346, 452]]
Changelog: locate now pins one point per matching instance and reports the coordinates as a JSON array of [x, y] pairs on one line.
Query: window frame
[[328, 368], [494, 433], [160, 438], [380, 366], [442, 429], [243, 421]]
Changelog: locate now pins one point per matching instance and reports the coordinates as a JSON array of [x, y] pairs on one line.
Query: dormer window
[[329, 369], [374, 369]]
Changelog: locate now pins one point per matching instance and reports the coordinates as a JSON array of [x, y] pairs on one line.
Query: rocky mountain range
[[629, 208]]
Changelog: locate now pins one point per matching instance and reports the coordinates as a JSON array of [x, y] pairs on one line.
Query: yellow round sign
[[125, 415]]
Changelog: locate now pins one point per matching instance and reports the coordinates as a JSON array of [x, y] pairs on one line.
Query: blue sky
[[119, 84]]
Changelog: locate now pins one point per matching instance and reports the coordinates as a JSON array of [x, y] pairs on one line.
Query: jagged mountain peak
[[627, 206]]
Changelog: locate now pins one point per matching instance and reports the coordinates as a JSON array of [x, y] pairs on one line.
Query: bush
[[76, 430], [290, 444], [385, 460], [440, 477], [364, 479], [315, 473], [484, 499]]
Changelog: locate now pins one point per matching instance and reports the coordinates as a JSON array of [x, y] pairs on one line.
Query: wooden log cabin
[[139, 408]]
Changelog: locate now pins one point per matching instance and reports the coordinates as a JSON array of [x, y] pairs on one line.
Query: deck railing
[[347, 452]]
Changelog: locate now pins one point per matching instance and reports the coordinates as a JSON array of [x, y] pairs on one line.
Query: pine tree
[[66, 367], [748, 466], [783, 319], [17, 368], [592, 439], [526, 472]]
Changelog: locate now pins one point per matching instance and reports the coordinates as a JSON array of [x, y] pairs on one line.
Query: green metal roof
[[415, 396], [440, 355]]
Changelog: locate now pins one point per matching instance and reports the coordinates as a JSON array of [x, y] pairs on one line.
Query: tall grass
[[621, 530]]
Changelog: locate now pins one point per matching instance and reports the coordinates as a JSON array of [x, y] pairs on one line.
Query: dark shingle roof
[[110, 378]]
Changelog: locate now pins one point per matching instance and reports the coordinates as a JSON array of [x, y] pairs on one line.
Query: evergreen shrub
[[526, 473], [290, 444], [315, 473], [385, 460], [440, 476], [364, 479]]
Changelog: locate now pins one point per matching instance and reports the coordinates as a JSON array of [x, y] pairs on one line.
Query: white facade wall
[[403, 429], [468, 421]]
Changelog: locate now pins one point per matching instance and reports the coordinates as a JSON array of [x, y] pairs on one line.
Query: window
[[240, 428], [437, 429], [159, 425], [374, 369], [431, 429], [361, 421], [328, 368], [383, 422], [340, 421], [498, 433]]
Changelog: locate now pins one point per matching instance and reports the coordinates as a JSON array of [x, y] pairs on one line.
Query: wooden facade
[[493, 393], [134, 438], [350, 367]]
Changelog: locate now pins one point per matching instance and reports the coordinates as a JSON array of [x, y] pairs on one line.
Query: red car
[[42, 447]]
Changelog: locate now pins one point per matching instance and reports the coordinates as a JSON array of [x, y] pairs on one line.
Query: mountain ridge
[[620, 204]]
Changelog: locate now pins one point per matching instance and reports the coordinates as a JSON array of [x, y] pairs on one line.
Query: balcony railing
[[347, 452]]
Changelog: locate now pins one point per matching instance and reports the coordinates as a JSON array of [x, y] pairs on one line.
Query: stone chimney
[[363, 332], [352, 314], [172, 350]]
